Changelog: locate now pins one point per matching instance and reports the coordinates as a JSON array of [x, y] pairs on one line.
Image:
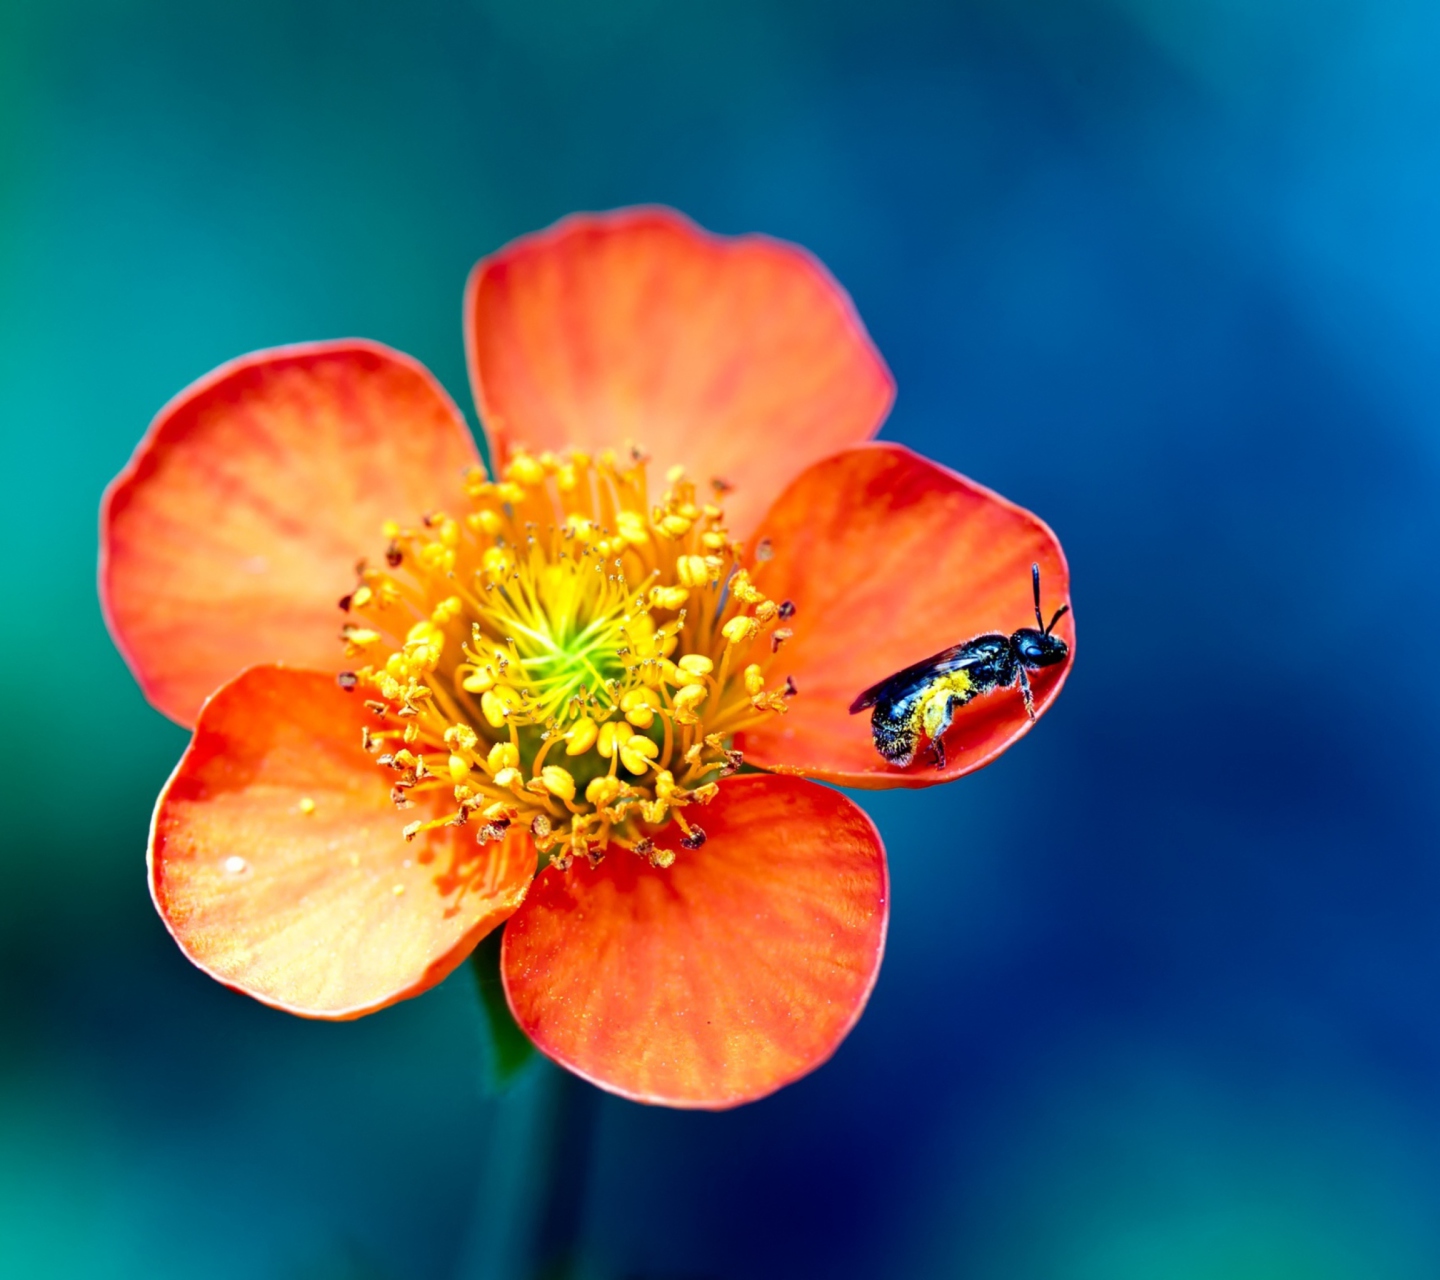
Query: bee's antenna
[[1039, 617]]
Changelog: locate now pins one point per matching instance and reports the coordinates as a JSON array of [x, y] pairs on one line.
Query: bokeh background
[[1161, 993]]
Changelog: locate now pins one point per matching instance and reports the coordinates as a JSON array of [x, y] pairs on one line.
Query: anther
[[602, 790], [688, 698], [345, 602], [540, 826], [581, 736], [790, 690], [637, 752], [357, 638], [347, 680], [764, 550], [461, 737], [503, 755], [787, 610], [393, 554], [692, 571], [694, 838], [639, 706], [739, 629], [612, 737]]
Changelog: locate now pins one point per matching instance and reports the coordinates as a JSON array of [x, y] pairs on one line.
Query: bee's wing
[[938, 664]]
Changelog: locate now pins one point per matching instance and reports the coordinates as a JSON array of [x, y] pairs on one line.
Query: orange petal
[[741, 358], [888, 559], [327, 913], [713, 983], [235, 528]]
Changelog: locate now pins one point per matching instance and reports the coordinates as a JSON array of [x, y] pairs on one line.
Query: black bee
[[922, 699]]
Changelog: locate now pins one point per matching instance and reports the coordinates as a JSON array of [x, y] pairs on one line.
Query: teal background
[[1161, 993]]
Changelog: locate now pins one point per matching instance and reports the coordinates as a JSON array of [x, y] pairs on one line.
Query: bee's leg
[[1026, 694], [938, 712]]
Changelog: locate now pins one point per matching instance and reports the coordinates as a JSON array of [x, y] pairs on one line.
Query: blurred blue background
[[1161, 992]]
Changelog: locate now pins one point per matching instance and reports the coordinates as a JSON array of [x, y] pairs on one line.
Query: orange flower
[[687, 562]]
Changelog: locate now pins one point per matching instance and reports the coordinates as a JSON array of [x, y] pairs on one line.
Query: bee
[[922, 698]]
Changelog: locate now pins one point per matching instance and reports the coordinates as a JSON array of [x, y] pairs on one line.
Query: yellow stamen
[[557, 782], [566, 606]]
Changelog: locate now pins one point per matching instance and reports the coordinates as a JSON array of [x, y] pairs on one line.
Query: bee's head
[[1038, 648], [1035, 646]]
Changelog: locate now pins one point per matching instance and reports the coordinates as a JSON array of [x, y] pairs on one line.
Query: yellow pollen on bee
[[572, 614]]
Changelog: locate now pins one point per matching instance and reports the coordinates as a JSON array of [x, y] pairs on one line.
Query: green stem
[[530, 1206]]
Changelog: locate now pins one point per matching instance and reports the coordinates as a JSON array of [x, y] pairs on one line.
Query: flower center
[[566, 654]]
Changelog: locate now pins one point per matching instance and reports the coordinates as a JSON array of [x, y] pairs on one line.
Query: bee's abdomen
[[895, 728]]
